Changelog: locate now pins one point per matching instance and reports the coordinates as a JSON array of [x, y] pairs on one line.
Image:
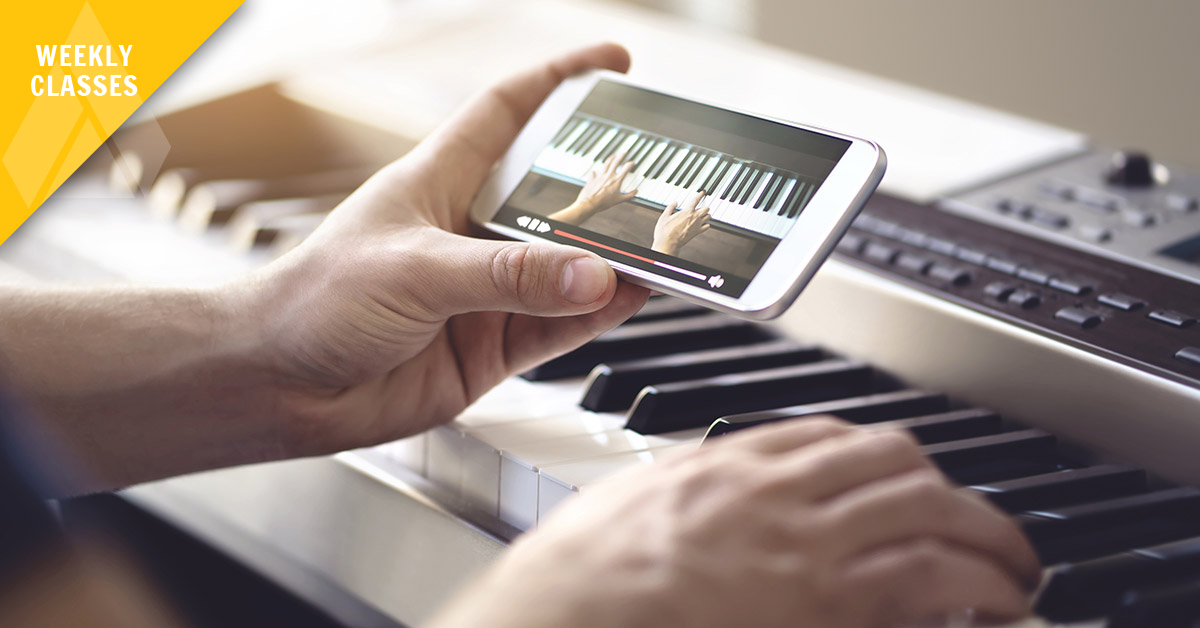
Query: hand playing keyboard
[[804, 523]]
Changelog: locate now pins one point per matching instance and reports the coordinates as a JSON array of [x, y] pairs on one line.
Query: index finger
[[477, 136]]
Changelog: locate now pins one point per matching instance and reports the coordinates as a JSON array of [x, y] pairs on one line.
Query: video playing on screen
[[684, 190]]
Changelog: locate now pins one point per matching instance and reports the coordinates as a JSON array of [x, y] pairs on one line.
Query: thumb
[[521, 277], [667, 212]]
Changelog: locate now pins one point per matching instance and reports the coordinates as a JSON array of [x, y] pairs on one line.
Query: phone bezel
[[785, 272]]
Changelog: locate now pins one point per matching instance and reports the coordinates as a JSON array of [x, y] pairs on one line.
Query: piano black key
[[1063, 488], [1075, 533], [865, 409], [577, 145], [611, 146], [663, 157], [1095, 588], [736, 183], [767, 189], [793, 202], [639, 149], [659, 308], [565, 131], [666, 168], [995, 457], [1173, 606], [685, 166], [629, 342], [614, 387], [697, 403], [786, 206], [700, 164], [601, 130], [802, 201], [946, 426], [746, 184], [773, 193], [718, 174], [751, 183]]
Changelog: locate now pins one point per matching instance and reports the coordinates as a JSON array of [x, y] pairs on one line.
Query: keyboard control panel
[[1119, 310], [1122, 205]]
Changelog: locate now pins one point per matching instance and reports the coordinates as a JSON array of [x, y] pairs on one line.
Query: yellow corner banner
[[71, 72]]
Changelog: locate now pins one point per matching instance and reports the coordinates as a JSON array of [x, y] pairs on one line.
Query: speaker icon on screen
[[716, 281]]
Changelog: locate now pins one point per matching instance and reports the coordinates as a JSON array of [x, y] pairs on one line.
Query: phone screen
[[684, 190]]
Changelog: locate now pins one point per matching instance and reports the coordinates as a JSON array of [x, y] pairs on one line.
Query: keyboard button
[[1045, 218], [950, 274], [1182, 203], [944, 247], [1122, 302], [1025, 299], [1077, 288], [1076, 533], [1002, 265], [642, 340], [1191, 355], [1097, 200], [1064, 488], [697, 403], [1078, 316], [851, 243], [946, 426], [1058, 189], [1138, 217], [971, 256], [998, 290], [1033, 275], [915, 263], [1172, 318], [1096, 233], [866, 409], [613, 387], [881, 253]]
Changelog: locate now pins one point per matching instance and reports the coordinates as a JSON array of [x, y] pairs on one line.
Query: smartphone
[[724, 208]]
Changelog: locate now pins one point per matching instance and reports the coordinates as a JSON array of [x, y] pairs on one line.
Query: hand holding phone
[[724, 208]]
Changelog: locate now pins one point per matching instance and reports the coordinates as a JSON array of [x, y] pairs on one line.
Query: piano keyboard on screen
[[743, 196], [1121, 547]]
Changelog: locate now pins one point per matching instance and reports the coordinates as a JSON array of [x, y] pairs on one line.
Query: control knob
[[1132, 169]]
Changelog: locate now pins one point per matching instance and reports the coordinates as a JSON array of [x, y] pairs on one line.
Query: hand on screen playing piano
[[804, 523], [676, 228], [601, 190]]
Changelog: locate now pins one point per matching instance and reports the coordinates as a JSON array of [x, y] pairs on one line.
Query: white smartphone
[[724, 208]]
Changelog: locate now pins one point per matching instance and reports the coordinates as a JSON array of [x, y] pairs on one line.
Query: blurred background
[[1123, 73]]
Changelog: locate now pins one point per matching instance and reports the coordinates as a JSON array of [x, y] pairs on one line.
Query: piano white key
[[558, 482], [408, 452], [480, 450], [519, 466]]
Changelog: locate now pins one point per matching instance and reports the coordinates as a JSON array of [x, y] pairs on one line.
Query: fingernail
[[584, 280]]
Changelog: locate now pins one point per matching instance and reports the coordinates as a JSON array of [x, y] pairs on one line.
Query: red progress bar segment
[[677, 269]]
